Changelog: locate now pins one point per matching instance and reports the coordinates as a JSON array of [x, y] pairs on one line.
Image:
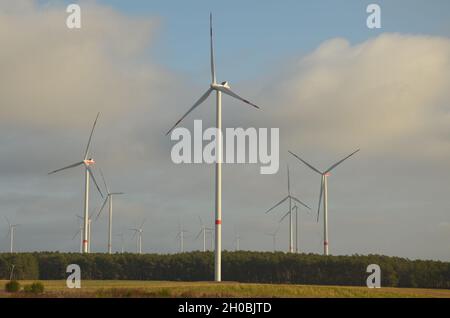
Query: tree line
[[241, 266]]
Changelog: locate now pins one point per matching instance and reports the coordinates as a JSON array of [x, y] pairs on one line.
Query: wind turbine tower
[[222, 88], [109, 198]]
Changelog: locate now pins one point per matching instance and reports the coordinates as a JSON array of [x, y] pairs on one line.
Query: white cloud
[[378, 94]]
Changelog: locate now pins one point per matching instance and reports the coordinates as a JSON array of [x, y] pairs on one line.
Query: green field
[[226, 289]]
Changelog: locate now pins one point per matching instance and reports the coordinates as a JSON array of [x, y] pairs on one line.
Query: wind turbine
[[237, 240], [122, 240], [203, 230], [274, 237], [180, 236], [324, 194], [289, 198], [12, 227], [295, 209], [219, 89], [139, 231], [109, 197], [87, 163]]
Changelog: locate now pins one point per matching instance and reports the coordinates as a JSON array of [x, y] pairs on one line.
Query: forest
[[241, 266]]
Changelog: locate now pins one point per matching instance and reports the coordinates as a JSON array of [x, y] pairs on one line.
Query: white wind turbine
[[109, 197], [203, 231], [138, 234], [289, 198], [295, 211], [12, 227], [274, 238], [219, 89], [87, 163], [237, 241], [180, 236], [324, 195], [122, 241]]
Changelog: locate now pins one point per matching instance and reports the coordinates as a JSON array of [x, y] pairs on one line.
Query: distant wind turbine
[[87, 163], [295, 211], [12, 227], [109, 197], [180, 236], [203, 231], [324, 194], [237, 241], [138, 234], [219, 89], [289, 198], [122, 241], [274, 238]]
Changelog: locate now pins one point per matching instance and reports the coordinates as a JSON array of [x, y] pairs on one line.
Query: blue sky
[[266, 32]]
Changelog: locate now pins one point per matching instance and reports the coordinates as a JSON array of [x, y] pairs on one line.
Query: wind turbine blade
[[289, 181], [101, 209], [7, 220], [95, 181], [276, 232], [310, 166], [277, 204], [90, 138], [213, 67], [117, 193], [300, 202], [201, 100], [281, 220], [135, 233], [142, 224], [322, 183], [198, 235], [201, 222], [68, 167], [104, 181], [229, 92], [341, 161], [76, 234]]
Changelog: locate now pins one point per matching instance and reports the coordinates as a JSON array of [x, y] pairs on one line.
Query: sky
[[330, 84]]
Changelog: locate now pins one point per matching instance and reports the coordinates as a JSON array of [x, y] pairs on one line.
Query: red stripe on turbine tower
[[218, 222]]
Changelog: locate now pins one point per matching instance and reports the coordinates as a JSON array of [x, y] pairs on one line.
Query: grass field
[[228, 289]]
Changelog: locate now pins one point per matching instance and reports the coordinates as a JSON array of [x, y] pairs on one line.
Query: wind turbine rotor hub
[[221, 85], [327, 174], [89, 162]]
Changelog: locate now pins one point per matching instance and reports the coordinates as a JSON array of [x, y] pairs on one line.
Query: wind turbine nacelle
[[89, 162], [225, 84], [327, 174]]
